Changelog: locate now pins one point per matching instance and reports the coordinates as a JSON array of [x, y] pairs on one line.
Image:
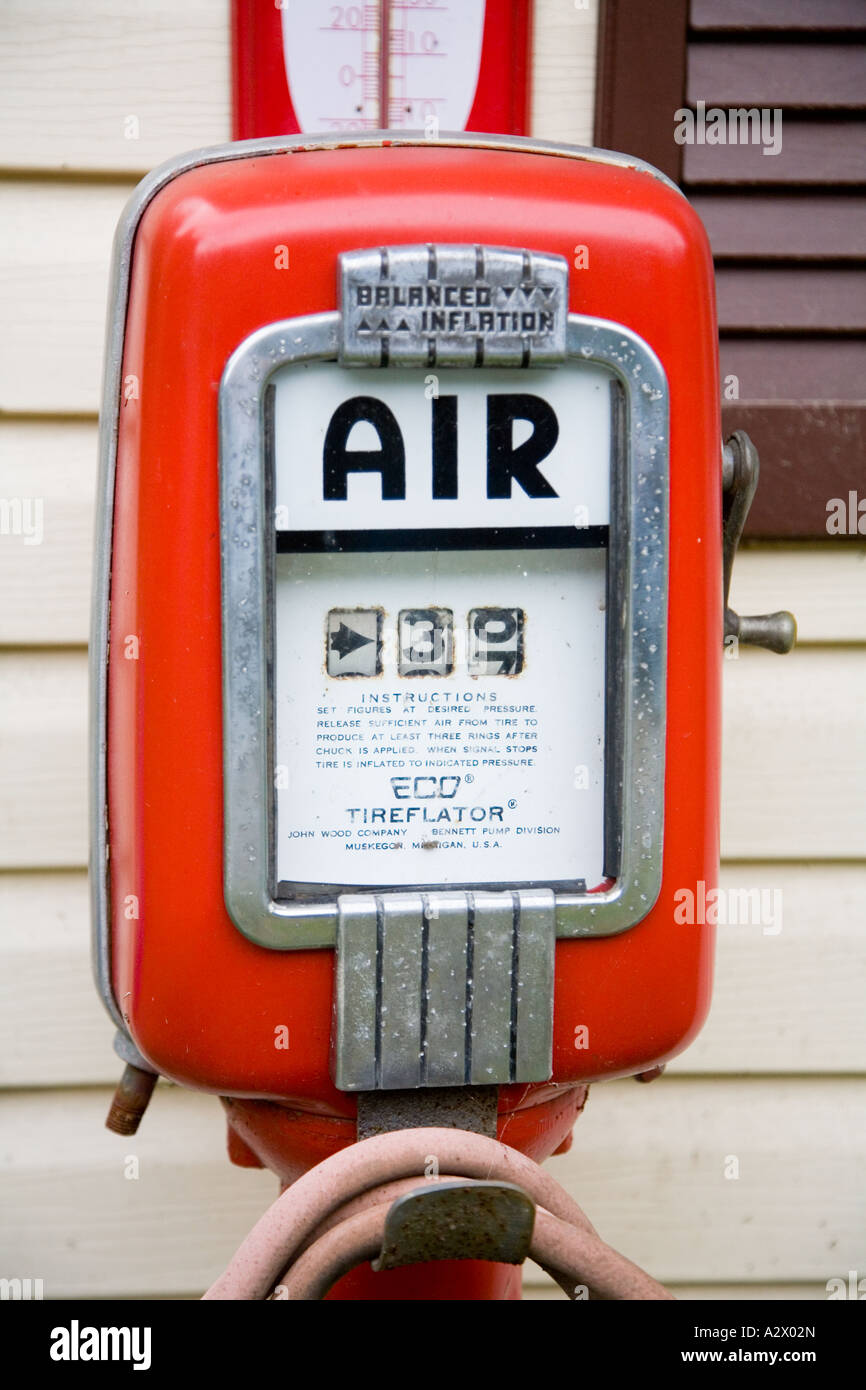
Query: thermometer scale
[[304, 66]]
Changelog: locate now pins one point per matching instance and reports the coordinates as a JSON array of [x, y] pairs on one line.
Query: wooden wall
[[786, 231], [777, 1078]]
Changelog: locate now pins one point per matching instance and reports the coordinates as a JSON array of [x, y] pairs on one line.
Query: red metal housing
[[202, 1002]]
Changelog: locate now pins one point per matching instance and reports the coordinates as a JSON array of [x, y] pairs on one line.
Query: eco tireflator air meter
[[409, 631]]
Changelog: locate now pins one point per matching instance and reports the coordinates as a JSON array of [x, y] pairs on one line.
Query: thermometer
[[303, 66]]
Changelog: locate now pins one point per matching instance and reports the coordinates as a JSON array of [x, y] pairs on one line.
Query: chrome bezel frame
[[638, 554], [117, 304]]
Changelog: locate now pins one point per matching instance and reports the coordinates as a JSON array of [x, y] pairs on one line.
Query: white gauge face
[[333, 59], [440, 624]]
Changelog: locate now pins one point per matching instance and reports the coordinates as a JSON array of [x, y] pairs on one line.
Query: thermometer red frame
[[261, 95]]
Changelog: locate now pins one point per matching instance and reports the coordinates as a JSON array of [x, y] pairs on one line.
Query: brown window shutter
[[788, 230]]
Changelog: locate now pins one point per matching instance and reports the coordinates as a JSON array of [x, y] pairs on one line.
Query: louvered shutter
[[788, 230]]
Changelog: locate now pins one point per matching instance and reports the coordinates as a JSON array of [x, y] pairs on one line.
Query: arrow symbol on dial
[[346, 640]]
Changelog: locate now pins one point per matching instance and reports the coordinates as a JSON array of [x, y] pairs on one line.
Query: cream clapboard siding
[[776, 1078], [100, 86]]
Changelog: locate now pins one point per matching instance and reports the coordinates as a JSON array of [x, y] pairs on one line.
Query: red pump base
[[403, 1197], [263, 1134]]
